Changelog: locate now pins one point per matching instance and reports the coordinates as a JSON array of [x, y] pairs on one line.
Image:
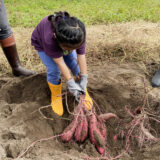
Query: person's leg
[[54, 82], [10, 51], [8, 44], [53, 72], [5, 29], [71, 61]]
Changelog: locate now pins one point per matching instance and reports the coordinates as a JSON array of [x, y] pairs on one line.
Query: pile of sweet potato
[[87, 123]]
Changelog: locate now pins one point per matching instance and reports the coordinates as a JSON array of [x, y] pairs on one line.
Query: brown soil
[[113, 84]]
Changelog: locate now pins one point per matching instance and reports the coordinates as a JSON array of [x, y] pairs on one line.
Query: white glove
[[83, 82], [74, 88]]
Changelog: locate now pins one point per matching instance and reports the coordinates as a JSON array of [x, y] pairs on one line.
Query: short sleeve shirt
[[43, 40]]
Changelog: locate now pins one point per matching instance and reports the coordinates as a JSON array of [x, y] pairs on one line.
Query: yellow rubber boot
[[88, 101], [56, 98]]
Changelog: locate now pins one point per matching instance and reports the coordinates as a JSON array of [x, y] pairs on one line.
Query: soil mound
[[111, 86]]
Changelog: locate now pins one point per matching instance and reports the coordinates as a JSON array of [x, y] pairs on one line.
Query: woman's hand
[[83, 75], [83, 82], [74, 88]]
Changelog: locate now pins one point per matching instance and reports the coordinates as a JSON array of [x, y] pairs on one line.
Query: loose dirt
[[114, 82]]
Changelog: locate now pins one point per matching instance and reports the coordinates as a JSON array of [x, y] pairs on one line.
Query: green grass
[[28, 13]]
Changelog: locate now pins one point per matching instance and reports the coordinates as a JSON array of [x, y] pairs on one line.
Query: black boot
[[13, 59], [156, 79]]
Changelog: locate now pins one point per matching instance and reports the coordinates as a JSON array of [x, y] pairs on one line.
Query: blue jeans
[[53, 72]]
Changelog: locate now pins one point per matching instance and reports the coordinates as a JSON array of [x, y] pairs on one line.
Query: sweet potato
[[78, 130], [95, 135], [107, 116], [84, 132], [102, 128], [101, 119], [82, 128], [100, 150], [70, 129]]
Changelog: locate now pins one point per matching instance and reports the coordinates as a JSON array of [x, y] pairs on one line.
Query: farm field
[[122, 55]]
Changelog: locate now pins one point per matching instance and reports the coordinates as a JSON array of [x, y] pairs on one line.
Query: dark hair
[[68, 30]]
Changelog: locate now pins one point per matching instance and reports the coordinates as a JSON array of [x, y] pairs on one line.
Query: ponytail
[[56, 17]]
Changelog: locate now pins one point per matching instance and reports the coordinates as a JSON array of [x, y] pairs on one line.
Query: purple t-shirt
[[43, 40]]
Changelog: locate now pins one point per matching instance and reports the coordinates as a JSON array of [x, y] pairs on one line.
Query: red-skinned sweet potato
[[102, 128], [100, 150], [107, 116], [82, 128], [84, 132], [96, 136], [78, 130], [70, 129]]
